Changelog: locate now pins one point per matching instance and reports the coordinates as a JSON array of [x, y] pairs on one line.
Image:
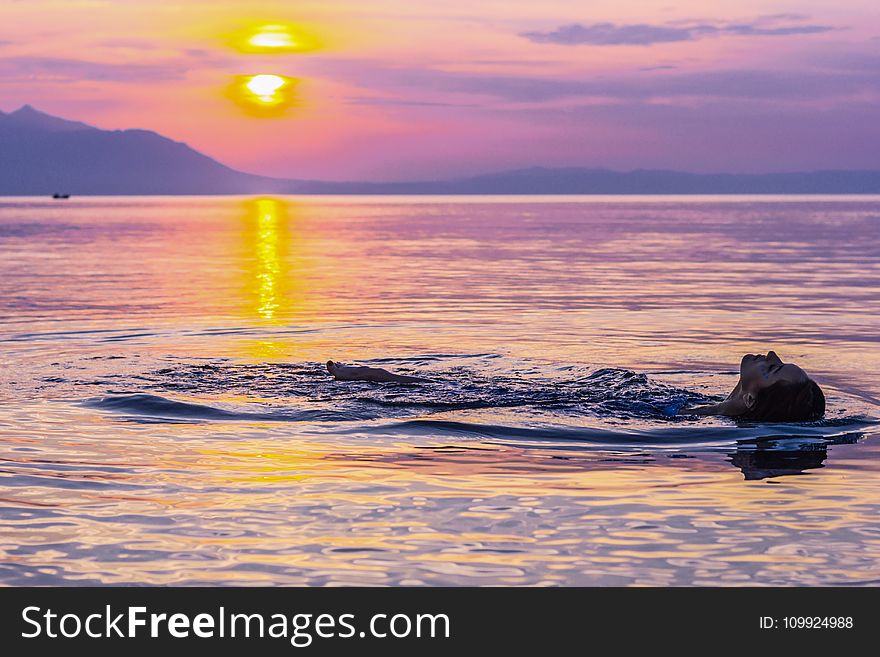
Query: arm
[[712, 409], [721, 408], [376, 374]]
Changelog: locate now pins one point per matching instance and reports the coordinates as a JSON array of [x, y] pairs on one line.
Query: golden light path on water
[[273, 276], [268, 212]]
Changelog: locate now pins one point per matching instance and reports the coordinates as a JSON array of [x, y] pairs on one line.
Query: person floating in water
[[768, 390]]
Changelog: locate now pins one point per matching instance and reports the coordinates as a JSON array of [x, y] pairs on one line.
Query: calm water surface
[[165, 417]]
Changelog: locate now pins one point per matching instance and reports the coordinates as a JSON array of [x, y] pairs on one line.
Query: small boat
[[60, 195]]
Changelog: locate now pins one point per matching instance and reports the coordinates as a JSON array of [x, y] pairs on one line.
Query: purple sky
[[395, 89]]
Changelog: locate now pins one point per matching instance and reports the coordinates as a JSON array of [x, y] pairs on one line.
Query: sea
[[166, 416]]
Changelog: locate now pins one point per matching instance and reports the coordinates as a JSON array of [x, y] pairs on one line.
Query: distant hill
[[540, 180], [42, 154]]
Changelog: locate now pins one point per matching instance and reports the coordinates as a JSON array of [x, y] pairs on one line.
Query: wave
[[152, 407], [305, 392], [676, 435], [469, 383], [149, 408], [478, 396]]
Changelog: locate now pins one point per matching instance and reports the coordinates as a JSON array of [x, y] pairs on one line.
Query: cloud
[[397, 102], [753, 84], [611, 34], [128, 44], [756, 30], [72, 70], [433, 85], [783, 17]]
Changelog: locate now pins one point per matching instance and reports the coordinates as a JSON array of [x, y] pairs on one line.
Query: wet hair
[[787, 402]]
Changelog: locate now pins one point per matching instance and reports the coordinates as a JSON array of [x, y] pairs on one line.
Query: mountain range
[[42, 154]]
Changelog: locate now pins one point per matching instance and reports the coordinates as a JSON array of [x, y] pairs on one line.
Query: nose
[[771, 355]]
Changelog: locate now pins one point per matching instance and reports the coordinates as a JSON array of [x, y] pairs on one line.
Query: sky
[[418, 89]]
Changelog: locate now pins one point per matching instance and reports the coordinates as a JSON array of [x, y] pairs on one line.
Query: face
[[757, 372]]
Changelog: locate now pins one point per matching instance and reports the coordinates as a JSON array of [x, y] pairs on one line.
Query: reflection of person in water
[[779, 456], [768, 390], [763, 463]]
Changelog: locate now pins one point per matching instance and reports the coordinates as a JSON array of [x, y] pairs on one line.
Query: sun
[[263, 94], [266, 87], [274, 39], [273, 36]]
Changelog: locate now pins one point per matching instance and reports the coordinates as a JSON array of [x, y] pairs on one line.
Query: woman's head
[[773, 391]]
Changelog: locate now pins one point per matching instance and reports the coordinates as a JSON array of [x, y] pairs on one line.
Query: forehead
[[788, 371]]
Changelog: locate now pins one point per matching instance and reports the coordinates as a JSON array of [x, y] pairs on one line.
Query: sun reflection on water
[[268, 214], [290, 276], [268, 281]]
